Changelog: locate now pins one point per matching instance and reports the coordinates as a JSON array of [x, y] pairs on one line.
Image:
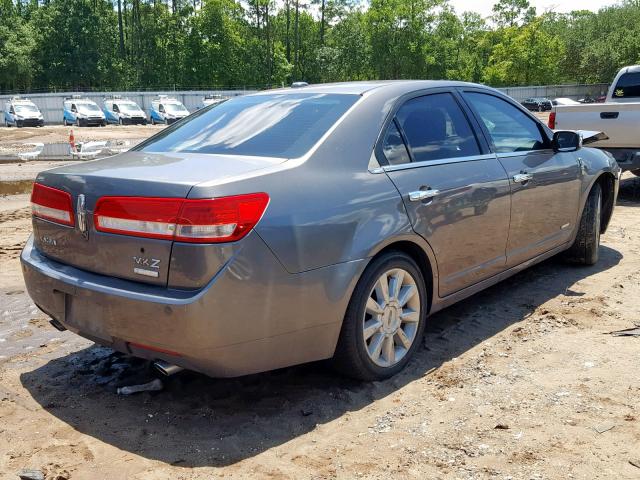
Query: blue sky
[[483, 7]]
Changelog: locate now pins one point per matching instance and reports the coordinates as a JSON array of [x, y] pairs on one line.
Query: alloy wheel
[[391, 318]]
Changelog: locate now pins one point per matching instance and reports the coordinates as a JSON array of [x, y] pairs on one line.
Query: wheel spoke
[[395, 284], [371, 327], [375, 348], [409, 316], [389, 350], [406, 343], [382, 289], [373, 307], [406, 293], [394, 305]]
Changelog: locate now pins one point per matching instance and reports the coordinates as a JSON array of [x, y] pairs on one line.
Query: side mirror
[[566, 141]]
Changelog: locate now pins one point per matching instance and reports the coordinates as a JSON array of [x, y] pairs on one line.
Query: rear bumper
[[252, 316]]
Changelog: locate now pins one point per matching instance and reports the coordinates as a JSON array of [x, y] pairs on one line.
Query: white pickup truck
[[618, 118]]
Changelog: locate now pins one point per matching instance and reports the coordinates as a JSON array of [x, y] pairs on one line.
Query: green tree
[[17, 66]]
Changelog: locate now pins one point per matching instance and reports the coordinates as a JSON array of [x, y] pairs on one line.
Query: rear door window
[[511, 130], [436, 128], [628, 85], [393, 147], [270, 125]]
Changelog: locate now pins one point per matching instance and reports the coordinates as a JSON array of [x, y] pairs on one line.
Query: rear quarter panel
[[327, 208]]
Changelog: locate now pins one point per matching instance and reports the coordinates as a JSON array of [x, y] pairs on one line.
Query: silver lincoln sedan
[[295, 225]]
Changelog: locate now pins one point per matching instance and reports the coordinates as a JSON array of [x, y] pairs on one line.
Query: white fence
[[50, 104], [574, 92]]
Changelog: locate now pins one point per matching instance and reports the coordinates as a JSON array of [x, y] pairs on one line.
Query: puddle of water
[[16, 187]]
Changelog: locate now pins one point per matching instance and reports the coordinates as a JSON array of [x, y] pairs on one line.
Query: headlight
[[18, 117], [81, 115]]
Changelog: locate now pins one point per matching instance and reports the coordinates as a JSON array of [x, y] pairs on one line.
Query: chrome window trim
[[524, 152], [442, 161]]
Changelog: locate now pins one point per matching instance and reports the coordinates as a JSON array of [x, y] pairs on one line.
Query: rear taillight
[[215, 220], [552, 120], [51, 204]]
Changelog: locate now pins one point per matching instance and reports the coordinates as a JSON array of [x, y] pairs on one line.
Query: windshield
[[175, 107], [26, 108], [128, 107], [277, 125], [90, 107]]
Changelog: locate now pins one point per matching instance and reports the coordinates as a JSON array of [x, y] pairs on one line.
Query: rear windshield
[[277, 125], [628, 85]]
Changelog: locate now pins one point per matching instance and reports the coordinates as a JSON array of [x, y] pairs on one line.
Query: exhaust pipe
[[166, 368]]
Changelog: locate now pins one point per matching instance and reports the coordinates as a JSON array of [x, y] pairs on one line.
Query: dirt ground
[[60, 134], [521, 381]]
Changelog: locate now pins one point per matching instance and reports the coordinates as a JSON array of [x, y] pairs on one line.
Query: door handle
[[421, 195], [522, 177]]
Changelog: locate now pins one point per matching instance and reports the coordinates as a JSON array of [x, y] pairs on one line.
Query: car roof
[[631, 69], [362, 87]]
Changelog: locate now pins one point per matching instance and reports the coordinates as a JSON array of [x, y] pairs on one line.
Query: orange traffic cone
[[72, 141]]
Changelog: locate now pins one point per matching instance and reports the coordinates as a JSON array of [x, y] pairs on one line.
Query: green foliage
[[16, 49], [125, 44], [528, 55]]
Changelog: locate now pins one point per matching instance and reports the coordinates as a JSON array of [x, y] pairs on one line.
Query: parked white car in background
[[22, 112], [618, 118], [564, 101], [123, 111]]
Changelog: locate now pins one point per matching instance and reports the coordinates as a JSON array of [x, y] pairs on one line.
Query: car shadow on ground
[[199, 421]]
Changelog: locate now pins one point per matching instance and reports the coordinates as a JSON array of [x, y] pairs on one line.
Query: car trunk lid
[[133, 174]]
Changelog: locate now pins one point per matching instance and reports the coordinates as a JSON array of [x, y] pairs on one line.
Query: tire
[[584, 250], [78, 122], [120, 122], [7, 124], [355, 354], [64, 122], [153, 121]]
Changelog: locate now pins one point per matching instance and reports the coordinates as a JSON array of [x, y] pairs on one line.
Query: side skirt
[[444, 302]]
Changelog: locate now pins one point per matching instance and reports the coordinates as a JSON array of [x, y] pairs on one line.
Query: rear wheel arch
[[422, 259], [352, 356]]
